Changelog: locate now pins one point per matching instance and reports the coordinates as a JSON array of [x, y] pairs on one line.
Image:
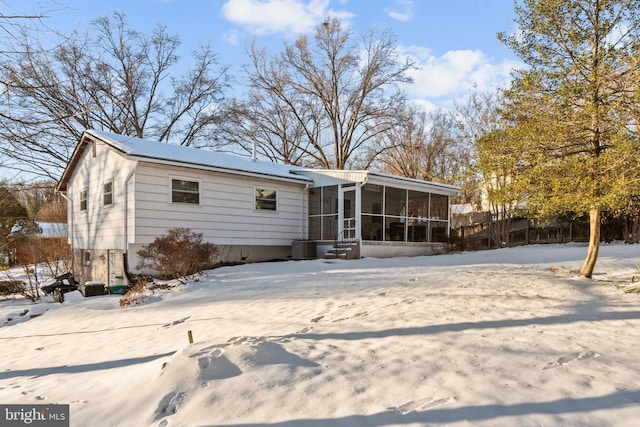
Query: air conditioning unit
[[304, 249]]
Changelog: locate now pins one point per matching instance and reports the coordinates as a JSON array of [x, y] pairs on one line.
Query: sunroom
[[378, 215]]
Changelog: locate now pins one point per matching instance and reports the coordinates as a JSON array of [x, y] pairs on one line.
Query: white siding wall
[[226, 214], [100, 226]]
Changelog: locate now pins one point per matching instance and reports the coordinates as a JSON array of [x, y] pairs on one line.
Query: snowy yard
[[499, 338]]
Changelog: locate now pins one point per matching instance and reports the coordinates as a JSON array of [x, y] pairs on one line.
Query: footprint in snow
[[176, 322], [561, 361], [361, 314], [169, 404], [216, 366], [421, 404]]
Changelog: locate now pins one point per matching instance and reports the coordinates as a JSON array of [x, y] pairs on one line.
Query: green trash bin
[[118, 289]]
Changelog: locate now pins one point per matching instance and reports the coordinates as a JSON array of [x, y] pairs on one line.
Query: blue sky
[[453, 41]]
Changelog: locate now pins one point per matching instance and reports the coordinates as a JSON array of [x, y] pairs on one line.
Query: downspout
[[126, 222], [305, 189], [70, 220]]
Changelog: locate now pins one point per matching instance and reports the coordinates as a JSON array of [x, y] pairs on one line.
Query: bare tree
[[478, 117], [265, 126], [322, 100], [424, 145], [15, 18], [111, 78]]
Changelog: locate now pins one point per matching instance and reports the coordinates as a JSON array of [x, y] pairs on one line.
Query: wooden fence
[[525, 231]]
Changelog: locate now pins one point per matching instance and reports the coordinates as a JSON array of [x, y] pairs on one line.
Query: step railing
[[346, 238]]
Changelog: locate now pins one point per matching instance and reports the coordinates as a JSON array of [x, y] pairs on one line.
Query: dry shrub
[[137, 294], [178, 255], [11, 287]]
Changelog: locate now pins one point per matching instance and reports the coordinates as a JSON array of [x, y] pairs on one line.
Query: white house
[[123, 192]]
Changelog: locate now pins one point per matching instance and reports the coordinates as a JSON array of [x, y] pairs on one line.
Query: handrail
[[343, 243]]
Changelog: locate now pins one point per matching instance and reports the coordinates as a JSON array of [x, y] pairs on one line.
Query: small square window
[[183, 191], [266, 199], [107, 194], [83, 200]]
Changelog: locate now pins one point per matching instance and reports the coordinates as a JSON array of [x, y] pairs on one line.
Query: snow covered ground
[[510, 337]]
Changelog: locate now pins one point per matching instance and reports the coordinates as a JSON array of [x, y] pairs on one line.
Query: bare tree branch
[[110, 78], [331, 95]]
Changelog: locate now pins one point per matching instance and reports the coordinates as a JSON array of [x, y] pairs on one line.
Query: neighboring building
[[463, 215], [33, 241], [123, 192]]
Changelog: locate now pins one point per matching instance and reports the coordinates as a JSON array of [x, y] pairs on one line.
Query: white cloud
[[454, 74], [273, 16], [401, 10], [231, 37]]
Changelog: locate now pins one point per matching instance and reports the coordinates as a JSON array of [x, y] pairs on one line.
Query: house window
[[183, 191], [107, 193], [83, 200], [266, 199]]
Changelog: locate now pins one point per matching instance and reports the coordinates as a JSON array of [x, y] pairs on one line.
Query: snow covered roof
[[324, 177], [158, 152], [461, 209]]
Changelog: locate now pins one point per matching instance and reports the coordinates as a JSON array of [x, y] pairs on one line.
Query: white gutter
[[126, 210], [306, 188]]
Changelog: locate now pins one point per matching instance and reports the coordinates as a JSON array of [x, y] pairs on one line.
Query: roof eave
[[75, 158]]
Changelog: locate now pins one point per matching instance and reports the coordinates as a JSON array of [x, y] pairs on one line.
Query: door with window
[[347, 213], [116, 268]]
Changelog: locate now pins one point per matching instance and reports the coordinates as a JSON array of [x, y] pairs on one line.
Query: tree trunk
[[594, 243]]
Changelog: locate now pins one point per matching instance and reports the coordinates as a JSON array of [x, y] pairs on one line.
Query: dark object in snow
[[118, 289], [62, 284], [91, 289]]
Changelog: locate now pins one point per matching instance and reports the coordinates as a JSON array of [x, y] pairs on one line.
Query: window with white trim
[[107, 193], [185, 191], [83, 200], [266, 199]]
